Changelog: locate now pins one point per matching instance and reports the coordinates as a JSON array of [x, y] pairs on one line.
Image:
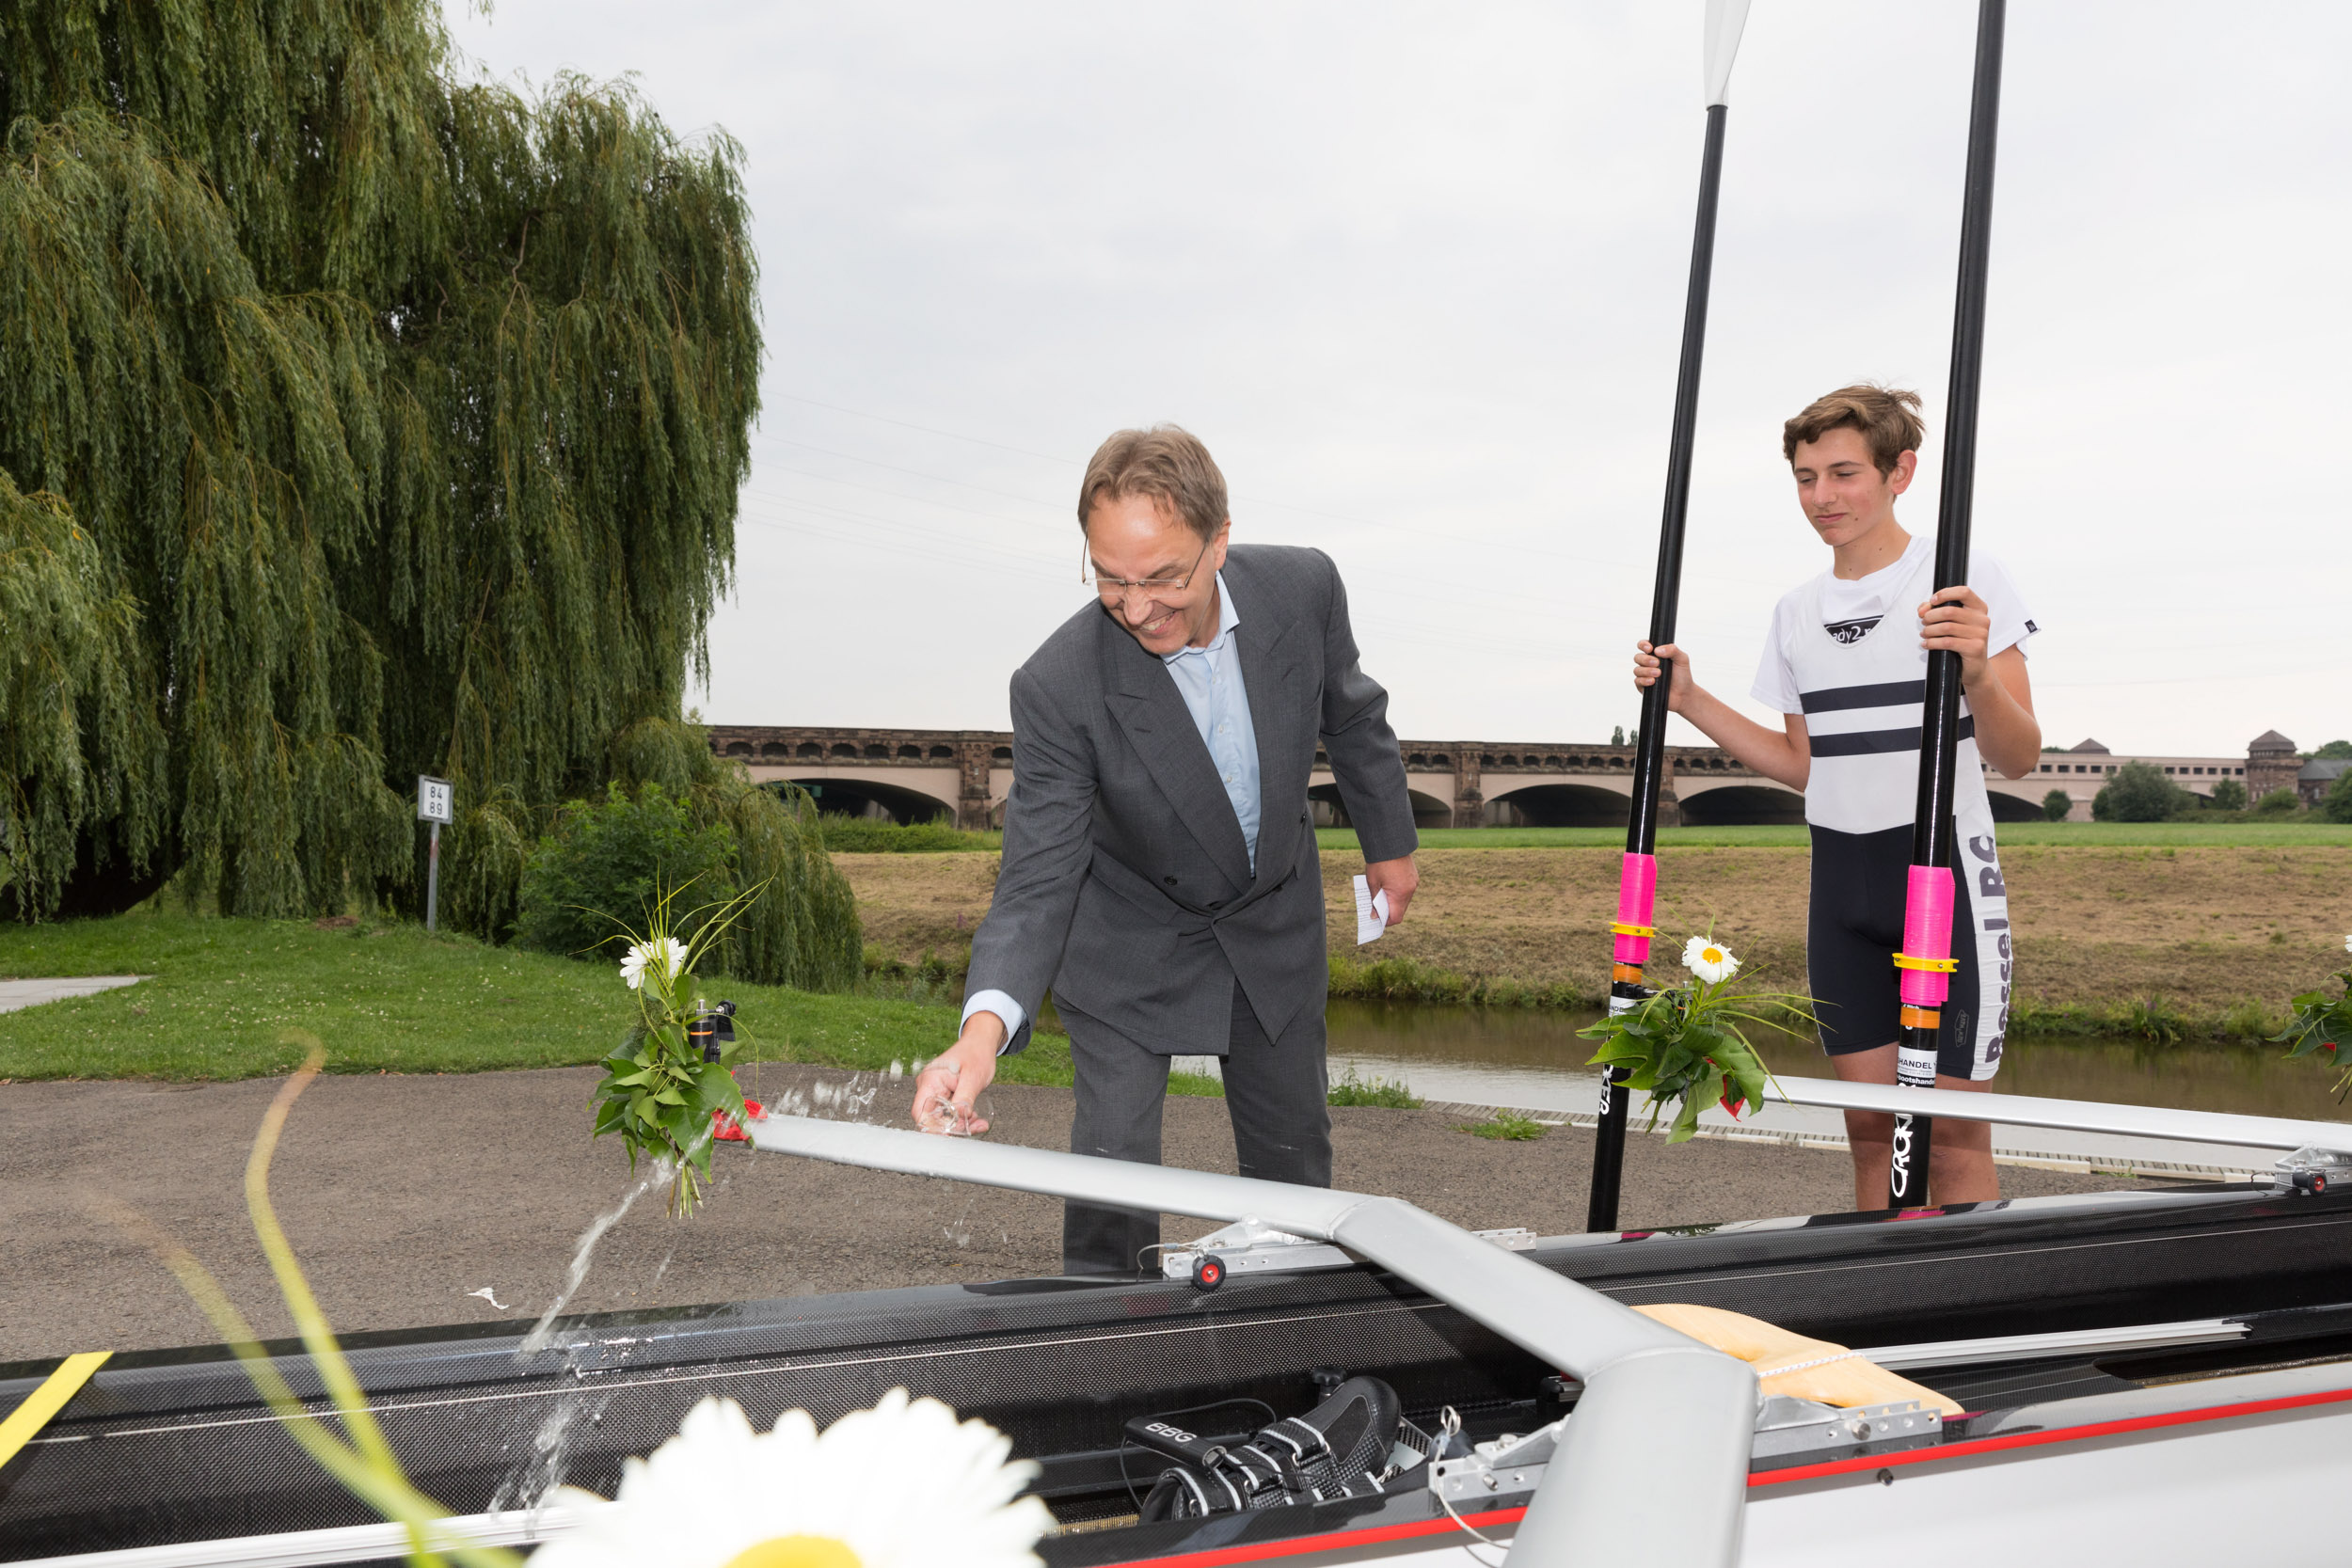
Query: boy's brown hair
[[1165, 462], [1888, 417]]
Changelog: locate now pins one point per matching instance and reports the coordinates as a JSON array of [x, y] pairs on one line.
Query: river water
[[1496, 1057]]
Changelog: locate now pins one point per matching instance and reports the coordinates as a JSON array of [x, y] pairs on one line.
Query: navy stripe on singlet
[[1885, 694], [1869, 743]]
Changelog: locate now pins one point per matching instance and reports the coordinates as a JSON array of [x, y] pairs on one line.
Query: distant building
[[2271, 763], [2083, 771], [2315, 778]]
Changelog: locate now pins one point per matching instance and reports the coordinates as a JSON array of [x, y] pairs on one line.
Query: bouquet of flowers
[[657, 1092], [2322, 1023], [1686, 1045]]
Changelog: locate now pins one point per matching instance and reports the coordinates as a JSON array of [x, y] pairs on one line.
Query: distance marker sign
[[433, 797]]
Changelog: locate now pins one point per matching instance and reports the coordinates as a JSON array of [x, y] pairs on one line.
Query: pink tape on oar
[[1928, 934], [1637, 891]]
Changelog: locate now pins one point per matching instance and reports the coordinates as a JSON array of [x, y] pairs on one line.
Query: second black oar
[[1637, 884], [1926, 960]]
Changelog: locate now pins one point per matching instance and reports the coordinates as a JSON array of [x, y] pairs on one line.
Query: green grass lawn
[[391, 999], [1794, 835], [869, 838]]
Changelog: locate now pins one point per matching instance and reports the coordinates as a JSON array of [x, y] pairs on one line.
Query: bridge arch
[[1558, 805], [2010, 808], [1739, 805], [837, 795], [1329, 810]]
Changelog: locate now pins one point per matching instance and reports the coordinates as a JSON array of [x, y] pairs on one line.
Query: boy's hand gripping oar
[[1926, 960], [1637, 884]]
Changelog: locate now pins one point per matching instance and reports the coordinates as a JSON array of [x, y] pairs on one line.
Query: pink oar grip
[[1928, 934], [1637, 891]]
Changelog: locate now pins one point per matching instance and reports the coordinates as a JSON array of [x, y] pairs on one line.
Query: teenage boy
[[1847, 666]]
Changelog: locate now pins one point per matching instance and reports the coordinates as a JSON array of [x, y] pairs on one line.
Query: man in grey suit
[[1160, 873]]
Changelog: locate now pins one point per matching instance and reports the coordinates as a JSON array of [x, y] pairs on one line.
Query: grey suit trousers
[[1276, 1093]]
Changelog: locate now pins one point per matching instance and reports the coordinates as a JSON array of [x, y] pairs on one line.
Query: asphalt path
[[409, 1197]]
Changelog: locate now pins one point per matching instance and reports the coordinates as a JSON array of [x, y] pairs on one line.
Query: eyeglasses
[[1111, 587]]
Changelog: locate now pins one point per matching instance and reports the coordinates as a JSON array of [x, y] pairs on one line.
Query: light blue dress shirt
[[1209, 680]]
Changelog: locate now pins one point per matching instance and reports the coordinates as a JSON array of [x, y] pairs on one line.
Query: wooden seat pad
[[1791, 1364]]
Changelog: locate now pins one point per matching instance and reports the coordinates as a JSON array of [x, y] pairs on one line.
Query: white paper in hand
[[1372, 913]]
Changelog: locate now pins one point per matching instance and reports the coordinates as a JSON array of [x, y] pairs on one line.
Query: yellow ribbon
[[1938, 966], [25, 1421], [1618, 927]]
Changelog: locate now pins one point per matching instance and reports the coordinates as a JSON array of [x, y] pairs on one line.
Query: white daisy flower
[[1710, 962], [2347, 943], [666, 956], [902, 1485]]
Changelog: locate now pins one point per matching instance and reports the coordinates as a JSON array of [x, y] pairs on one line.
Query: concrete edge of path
[[32, 993]]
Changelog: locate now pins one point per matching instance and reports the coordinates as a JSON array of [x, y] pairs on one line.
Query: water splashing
[[542, 1333], [528, 1485], [960, 1231], [830, 1101]]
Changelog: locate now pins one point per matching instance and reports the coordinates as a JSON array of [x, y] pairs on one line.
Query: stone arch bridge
[[963, 776]]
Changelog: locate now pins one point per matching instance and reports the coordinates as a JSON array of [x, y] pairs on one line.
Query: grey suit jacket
[[1127, 885]]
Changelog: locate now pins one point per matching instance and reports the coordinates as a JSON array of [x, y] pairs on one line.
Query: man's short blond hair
[[1165, 462], [1888, 417]]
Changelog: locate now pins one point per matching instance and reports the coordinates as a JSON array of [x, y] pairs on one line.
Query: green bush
[[803, 931], [2279, 803], [1508, 1125], [868, 835], [2139, 792], [693, 816], [2335, 750], [1352, 1090], [2248, 1020], [2229, 795], [1409, 979], [607, 863], [2336, 805], [2156, 1020], [2055, 804]]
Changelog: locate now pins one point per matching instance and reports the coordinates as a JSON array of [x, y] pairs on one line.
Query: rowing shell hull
[[2187, 1455]]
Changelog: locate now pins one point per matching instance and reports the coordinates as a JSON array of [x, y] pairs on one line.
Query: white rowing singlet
[[1860, 680]]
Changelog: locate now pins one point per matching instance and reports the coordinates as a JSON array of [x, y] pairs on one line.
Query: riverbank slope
[[2191, 939]]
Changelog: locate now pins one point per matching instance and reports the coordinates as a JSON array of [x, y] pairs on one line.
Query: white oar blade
[[1724, 19]]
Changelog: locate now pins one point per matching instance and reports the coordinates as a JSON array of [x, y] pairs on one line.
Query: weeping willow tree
[[355, 421]]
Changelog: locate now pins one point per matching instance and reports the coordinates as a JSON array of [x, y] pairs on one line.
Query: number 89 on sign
[[433, 797]]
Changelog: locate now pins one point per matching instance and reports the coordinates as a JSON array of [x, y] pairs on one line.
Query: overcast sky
[[1415, 273]]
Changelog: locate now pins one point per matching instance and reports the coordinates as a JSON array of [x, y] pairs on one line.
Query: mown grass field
[[2083, 835], [2114, 937], [863, 837]]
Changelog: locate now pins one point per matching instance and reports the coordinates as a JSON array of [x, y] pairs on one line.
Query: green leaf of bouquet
[[716, 1090], [1686, 1124]]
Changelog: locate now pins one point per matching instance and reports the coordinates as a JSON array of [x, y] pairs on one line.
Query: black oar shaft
[[1639, 881], [1932, 826], [1649, 755]]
